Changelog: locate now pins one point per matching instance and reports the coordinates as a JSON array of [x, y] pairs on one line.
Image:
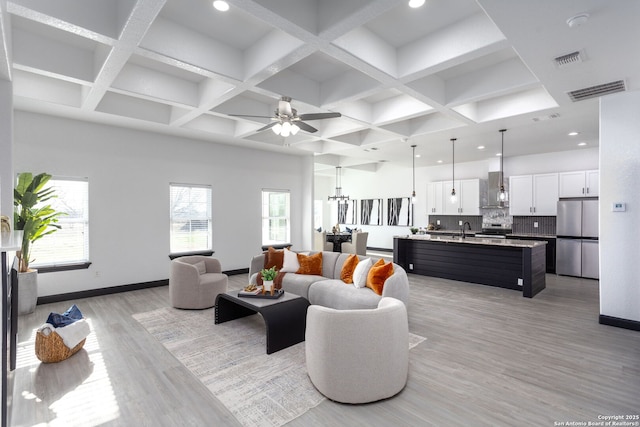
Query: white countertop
[[476, 240]]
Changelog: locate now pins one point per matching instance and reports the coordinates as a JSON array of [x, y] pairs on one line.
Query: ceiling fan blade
[[306, 127], [319, 116], [269, 126], [247, 115]]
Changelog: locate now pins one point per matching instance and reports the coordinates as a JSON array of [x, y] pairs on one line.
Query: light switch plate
[[459, 222], [535, 224]]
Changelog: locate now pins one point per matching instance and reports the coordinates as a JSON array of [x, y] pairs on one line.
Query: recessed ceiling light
[[499, 154], [439, 161], [480, 147], [221, 5], [417, 155], [582, 144], [574, 133], [416, 3]]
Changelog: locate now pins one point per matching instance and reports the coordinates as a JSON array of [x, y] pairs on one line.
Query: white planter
[[27, 291], [267, 285]]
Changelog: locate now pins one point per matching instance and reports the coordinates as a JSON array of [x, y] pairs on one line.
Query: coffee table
[[285, 317]]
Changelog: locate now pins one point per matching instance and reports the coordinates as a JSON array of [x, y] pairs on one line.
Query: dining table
[[337, 239]]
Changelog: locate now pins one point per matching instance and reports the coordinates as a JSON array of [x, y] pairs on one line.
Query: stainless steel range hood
[[493, 188]]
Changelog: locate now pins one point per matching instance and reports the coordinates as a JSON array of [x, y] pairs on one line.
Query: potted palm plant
[[36, 220]]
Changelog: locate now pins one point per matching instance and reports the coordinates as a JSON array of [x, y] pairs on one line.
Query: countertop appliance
[[577, 238]]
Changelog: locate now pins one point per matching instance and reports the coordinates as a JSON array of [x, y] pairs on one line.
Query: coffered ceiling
[[399, 76]]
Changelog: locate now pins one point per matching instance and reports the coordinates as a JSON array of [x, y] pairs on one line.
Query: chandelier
[[338, 196]]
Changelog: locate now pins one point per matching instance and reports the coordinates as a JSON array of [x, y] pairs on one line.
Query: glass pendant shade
[[503, 196]]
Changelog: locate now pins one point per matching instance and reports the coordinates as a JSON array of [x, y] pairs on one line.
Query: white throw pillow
[[361, 272], [290, 263]]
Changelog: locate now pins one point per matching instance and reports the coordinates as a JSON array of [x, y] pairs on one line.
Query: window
[[70, 244], [318, 207], [275, 217], [190, 210]]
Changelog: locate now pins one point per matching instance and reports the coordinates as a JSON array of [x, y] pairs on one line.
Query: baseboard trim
[[117, 289], [379, 249], [634, 325]]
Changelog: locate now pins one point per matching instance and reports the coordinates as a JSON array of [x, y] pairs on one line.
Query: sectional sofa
[[329, 290]]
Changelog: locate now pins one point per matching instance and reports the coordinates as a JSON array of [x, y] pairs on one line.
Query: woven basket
[[50, 348]]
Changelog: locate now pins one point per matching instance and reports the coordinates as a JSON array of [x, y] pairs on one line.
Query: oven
[[494, 232]]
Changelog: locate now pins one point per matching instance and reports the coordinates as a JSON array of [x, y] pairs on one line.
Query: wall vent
[[598, 90], [568, 59]]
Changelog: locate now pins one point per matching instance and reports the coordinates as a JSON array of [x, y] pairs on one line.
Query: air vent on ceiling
[[598, 90], [543, 118], [568, 59]]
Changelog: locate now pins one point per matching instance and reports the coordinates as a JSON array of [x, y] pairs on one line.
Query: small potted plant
[[268, 276], [413, 230]]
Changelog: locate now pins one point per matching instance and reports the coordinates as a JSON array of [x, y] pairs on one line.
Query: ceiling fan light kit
[[286, 121]]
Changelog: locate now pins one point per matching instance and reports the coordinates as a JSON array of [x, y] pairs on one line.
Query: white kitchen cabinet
[[435, 198], [467, 197], [579, 184], [592, 182], [533, 195]]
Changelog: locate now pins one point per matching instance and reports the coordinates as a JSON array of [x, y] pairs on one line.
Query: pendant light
[[454, 198], [502, 194], [338, 196], [413, 194]]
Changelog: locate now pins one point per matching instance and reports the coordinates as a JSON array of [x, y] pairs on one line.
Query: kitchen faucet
[[466, 224]]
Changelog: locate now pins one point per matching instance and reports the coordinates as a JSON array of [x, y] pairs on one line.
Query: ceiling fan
[[286, 120]]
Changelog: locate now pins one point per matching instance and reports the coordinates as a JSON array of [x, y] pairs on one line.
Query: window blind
[[190, 218]]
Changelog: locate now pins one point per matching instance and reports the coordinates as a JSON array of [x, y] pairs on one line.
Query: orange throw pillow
[[378, 274], [310, 264], [274, 257], [349, 266]]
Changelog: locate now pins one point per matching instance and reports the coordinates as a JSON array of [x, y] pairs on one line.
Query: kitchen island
[[506, 263]]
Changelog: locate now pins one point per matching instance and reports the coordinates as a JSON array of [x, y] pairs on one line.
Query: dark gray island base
[[505, 263]]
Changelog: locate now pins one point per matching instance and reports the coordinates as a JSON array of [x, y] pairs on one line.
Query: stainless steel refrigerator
[[577, 238]]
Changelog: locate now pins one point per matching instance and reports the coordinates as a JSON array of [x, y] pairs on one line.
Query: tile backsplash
[[451, 222], [526, 224], [519, 224]]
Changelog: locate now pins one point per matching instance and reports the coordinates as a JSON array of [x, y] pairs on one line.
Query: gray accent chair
[[357, 245], [195, 281], [358, 356]]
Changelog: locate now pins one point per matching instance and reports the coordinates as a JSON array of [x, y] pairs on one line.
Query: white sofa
[[329, 291]]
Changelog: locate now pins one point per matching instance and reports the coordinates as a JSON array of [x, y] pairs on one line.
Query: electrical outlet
[[459, 222], [97, 274], [520, 283], [535, 224], [437, 222], [410, 266]]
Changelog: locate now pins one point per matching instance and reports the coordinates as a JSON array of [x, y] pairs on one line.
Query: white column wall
[[6, 149], [619, 182], [129, 174]]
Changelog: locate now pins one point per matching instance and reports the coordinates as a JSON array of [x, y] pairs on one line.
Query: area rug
[[230, 360]]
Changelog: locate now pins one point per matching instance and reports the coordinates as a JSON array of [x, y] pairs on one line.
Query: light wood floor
[[492, 358]]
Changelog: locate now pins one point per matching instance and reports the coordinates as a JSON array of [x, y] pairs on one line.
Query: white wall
[[391, 181], [129, 174], [619, 182], [6, 148]]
